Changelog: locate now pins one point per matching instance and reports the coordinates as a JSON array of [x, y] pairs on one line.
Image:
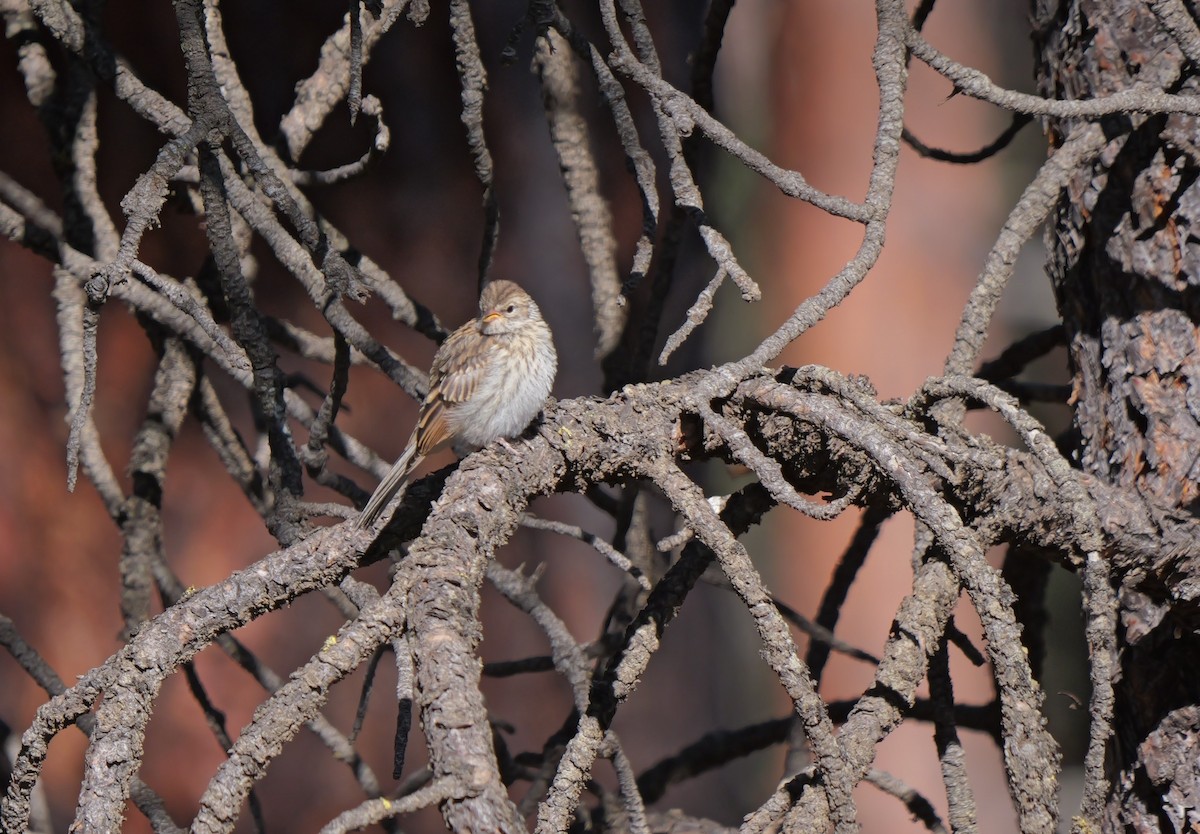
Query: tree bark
[[1125, 264]]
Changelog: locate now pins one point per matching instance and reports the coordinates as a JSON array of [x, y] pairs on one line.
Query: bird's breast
[[509, 395]]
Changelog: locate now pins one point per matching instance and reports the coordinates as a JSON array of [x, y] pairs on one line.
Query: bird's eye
[[512, 308]]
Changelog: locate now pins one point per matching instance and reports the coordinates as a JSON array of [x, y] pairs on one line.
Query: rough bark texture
[[1125, 264]]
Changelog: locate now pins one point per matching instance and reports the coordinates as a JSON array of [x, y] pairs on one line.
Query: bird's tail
[[389, 486]]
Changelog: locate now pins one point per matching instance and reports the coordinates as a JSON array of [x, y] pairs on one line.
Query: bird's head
[[504, 307]]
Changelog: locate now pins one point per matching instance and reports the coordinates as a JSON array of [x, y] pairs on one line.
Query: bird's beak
[[492, 316]]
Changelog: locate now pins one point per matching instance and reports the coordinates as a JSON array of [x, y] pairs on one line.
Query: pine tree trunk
[[1125, 263]]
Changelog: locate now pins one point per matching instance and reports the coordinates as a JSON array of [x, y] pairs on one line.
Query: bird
[[488, 381]]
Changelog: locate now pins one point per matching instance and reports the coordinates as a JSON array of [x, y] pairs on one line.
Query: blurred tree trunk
[[1125, 263]]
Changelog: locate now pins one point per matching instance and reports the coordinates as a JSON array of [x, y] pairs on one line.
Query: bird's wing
[[460, 364], [457, 370]]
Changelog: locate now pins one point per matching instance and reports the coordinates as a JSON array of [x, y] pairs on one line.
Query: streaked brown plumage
[[488, 381]]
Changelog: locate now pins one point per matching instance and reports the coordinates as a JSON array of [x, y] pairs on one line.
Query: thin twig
[[618, 559], [473, 78], [1019, 120]]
